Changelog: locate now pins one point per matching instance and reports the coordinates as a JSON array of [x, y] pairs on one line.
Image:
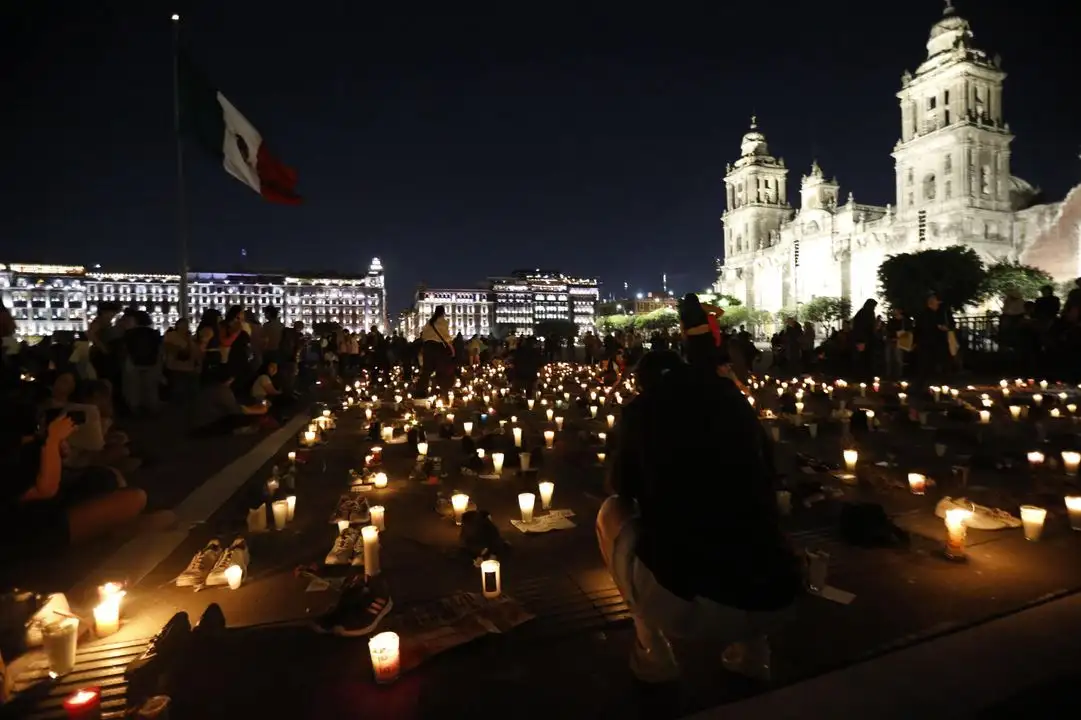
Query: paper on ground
[[835, 594], [544, 523]]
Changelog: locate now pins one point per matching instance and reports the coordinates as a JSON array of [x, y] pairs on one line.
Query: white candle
[[367, 413], [1070, 461], [799, 408], [525, 459], [290, 507], [370, 537], [497, 462], [1035, 459], [549, 439], [526, 501], [387, 432], [378, 515], [1037, 399], [343, 525], [517, 436], [1055, 413], [546, 489], [234, 574], [917, 483], [851, 456], [955, 532], [600, 458], [1032, 518], [386, 661], [611, 421], [903, 398], [985, 417], [530, 403], [480, 453], [281, 513], [559, 423], [292, 457], [550, 414], [491, 582], [309, 437], [272, 486], [1073, 507], [459, 501], [422, 449], [467, 428], [380, 480], [593, 411], [1015, 412], [107, 615]]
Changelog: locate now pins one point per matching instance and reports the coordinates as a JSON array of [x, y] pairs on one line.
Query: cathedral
[[953, 186]]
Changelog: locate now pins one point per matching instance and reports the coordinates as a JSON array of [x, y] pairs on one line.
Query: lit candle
[[83, 704], [422, 449], [1043, 384], [550, 413], [1071, 408], [343, 525], [281, 513], [480, 453], [851, 456], [593, 411], [799, 408], [863, 389], [530, 403], [367, 413], [378, 515], [1070, 461], [377, 453], [955, 532], [370, 537], [1055, 413], [1015, 412], [309, 437], [611, 421], [491, 584], [517, 436], [524, 460], [387, 432], [107, 614], [467, 428], [292, 457], [497, 462], [290, 507], [1037, 399], [459, 501], [1073, 507], [549, 439], [917, 483], [272, 486], [903, 398], [1032, 518], [600, 458], [386, 661], [526, 501], [985, 417], [559, 423], [380, 480], [234, 574], [546, 489]]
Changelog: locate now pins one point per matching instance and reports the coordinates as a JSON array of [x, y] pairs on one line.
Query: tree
[[611, 323], [661, 319], [828, 310], [955, 274], [1011, 275]]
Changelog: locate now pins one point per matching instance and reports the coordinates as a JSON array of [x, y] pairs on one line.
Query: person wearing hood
[[437, 351]]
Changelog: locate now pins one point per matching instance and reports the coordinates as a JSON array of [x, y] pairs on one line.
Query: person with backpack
[[437, 352]]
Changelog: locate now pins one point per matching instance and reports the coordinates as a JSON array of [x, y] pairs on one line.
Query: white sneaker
[[655, 664], [236, 554], [342, 552], [358, 551], [750, 659], [200, 566]]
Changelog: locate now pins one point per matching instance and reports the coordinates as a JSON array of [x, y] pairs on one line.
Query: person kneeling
[[692, 534], [216, 410]]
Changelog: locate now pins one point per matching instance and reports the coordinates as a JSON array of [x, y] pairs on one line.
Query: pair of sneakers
[[170, 652], [655, 662], [348, 548], [208, 566], [364, 602]]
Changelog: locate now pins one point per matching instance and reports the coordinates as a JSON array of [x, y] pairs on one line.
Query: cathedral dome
[[949, 32], [754, 142]]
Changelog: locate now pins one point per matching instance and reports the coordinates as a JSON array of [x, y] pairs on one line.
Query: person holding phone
[[436, 351]]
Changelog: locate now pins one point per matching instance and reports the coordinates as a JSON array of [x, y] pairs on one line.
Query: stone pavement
[[572, 656]]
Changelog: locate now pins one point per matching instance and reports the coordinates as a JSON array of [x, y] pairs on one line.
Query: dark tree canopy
[[956, 274]]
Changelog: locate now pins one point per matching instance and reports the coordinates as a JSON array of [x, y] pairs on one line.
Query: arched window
[[929, 186]]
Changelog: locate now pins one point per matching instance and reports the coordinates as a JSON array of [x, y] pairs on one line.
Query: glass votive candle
[[290, 507], [1073, 508], [1070, 461], [600, 457], [292, 457], [386, 661], [1015, 412], [1035, 459], [593, 411], [851, 456], [549, 439], [378, 515], [799, 408], [611, 421], [234, 575], [467, 428], [491, 582], [369, 536], [517, 436], [1032, 519], [380, 480], [917, 483], [956, 531], [107, 615], [559, 423], [459, 502], [422, 449], [526, 501], [309, 437], [1037, 399], [546, 489], [550, 413], [985, 417], [387, 433], [343, 525], [497, 462], [281, 514]]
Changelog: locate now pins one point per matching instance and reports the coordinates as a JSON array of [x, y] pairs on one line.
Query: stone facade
[[953, 187]]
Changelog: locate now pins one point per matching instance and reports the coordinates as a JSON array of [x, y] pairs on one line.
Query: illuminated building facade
[[526, 298], [50, 298], [469, 311]]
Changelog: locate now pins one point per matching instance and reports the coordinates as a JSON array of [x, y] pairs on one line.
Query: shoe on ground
[[656, 664], [211, 622], [344, 547], [201, 565], [750, 659], [235, 554], [361, 608], [148, 674], [361, 513]]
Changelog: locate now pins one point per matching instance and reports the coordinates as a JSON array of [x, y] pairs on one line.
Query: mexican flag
[[208, 117]]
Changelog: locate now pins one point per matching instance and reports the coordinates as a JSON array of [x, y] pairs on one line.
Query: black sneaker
[[148, 674], [360, 609]]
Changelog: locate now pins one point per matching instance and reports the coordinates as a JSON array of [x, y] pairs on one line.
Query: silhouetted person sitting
[[692, 536]]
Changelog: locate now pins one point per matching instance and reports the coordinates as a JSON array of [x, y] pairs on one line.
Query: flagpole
[[181, 195]]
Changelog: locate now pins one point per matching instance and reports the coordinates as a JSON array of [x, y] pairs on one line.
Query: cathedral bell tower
[[756, 192], [954, 151]]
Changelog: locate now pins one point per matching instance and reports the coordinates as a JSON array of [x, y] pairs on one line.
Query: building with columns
[[953, 187]]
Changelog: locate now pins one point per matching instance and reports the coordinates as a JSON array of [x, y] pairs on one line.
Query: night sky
[[457, 145]]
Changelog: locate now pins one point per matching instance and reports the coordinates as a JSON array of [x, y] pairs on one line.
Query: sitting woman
[[216, 410], [701, 333], [264, 390], [36, 513], [89, 445]]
